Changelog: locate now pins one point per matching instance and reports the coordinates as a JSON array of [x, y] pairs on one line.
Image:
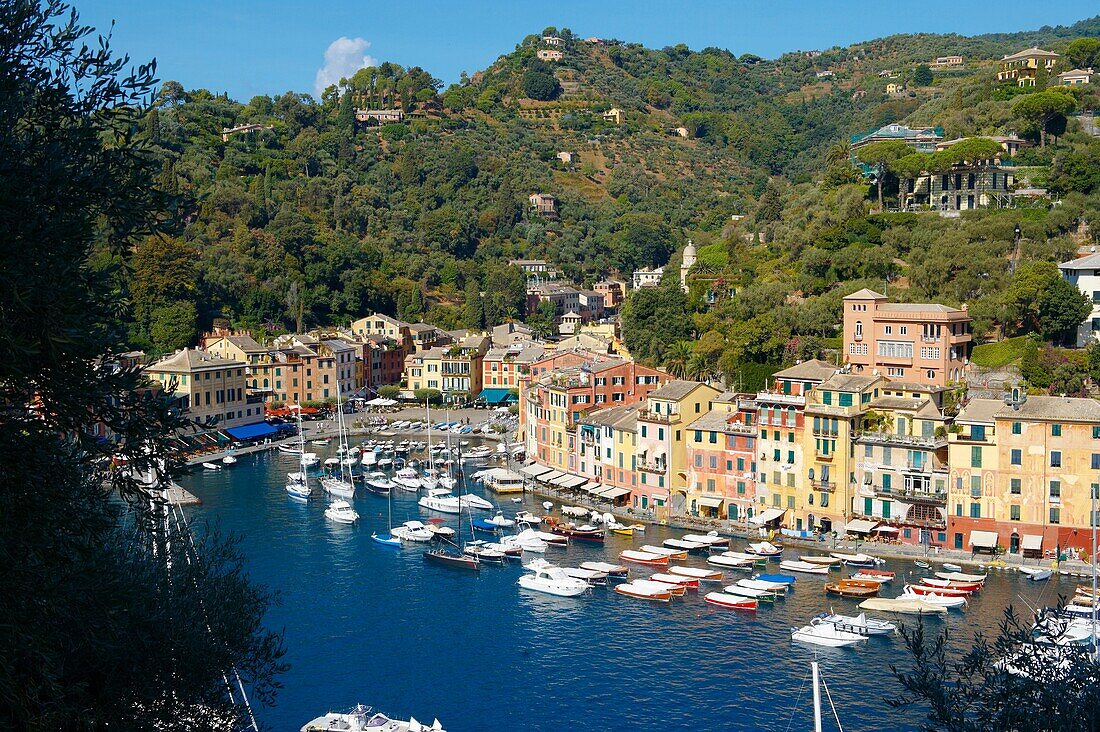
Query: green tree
[[922, 75], [880, 156], [1024, 294], [173, 326], [473, 312], [113, 619], [1082, 53], [653, 318], [539, 83], [907, 168], [676, 359], [1041, 110], [1062, 307]]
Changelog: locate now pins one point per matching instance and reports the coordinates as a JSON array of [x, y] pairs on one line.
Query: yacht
[[407, 479], [341, 512], [379, 483], [545, 577], [413, 531], [442, 501], [363, 719]]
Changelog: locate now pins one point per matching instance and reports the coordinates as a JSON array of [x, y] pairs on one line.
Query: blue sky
[[247, 47]]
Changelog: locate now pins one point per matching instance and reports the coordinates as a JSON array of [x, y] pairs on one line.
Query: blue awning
[[498, 396], [252, 431]]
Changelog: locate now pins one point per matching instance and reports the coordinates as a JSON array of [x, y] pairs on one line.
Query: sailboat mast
[[340, 425], [1095, 520], [817, 697]]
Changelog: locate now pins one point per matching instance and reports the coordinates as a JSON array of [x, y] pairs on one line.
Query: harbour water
[[371, 624]]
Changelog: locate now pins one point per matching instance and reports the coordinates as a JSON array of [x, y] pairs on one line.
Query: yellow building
[[662, 442], [208, 388], [1023, 474], [456, 370], [834, 413], [1022, 67]]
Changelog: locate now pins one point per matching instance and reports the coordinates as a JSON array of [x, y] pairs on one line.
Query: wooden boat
[[665, 551], [779, 588], [823, 561], [638, 592], [676, 579], [952, 567], [676, 590], [856, 560], [944, 591], [905, 606], [803, 567], [689, 546], [730, 602], [703, 575], [720, 560], [764, 549], [952, 584], [750, 557], [826, 634], [711, 539], [455, 561], [630, 555], [785, 579], [853, 588], [759, 595], [859, 575], [612, 570], [886, 575], [961, 576], [586, 533], [623, 530]]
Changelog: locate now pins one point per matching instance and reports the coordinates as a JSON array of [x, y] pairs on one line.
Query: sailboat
[[297, 484], [456, 560], [430, 479], [341, 486], [387, 539], [818, 683]]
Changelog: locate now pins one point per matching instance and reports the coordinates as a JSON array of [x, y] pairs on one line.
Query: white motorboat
[[320, 441], [483, 552], [476, 502], [287, 448], [545, 577], [528, 517], [1036, 574], [229, 459], [440, 500], [961, 576], [369, 459], [500, 520], [711, 539], [615, 571], [826, 634], [407, 479], [309, 459], [363, 719], [856, 560], [341, 512], [948, 566], [212, 466], [804, 567], [948, 601], [764, 549], [478, 453], [379, 483], [413, 531], [527, 540], [857, 624]]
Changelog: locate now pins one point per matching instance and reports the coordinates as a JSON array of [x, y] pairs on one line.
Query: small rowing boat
[[730, 602], [803, 567], [961, 576], [942, 591], [905, 606], [665, 551], [853, 588], [639, 592], [630, 555], [676, 579], [759, 595], [702, 575], [612, 570], [823, 561]]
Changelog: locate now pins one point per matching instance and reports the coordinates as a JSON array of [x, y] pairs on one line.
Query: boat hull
[[730, 602], [453, 561]]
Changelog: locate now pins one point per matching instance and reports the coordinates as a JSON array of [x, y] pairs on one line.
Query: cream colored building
[[208, 388]]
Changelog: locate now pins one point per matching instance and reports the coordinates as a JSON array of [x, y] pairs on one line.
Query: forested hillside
[[314, 218]]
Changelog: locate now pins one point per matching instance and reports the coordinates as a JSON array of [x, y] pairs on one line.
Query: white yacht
[[413, 531], [407, 479], [341, 512], [442, 501], [363, 719], [552, 580]]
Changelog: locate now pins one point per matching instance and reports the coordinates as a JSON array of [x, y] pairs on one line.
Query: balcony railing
[[912, 494], [653, 466], [931, 443], [823, 485], [649, 416], [778, 397]]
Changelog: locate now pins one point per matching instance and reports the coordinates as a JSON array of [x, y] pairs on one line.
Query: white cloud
[[343, 57]]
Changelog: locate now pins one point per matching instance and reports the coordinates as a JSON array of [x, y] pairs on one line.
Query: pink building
[[925, 343]]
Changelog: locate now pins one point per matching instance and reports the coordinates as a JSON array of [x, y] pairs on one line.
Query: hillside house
[[612, 292], [647, 277], [921, 139], [1075, 77], [946, 62], [381, 116], [553, 41], [893, 89], [1022, 67], [681, 132], [544, 205], [536, 270], [550, 54], [227, 132], [825, 74], [614, 115], [1084, 274], [569, 158]]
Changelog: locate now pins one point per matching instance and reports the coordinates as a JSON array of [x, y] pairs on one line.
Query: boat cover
[[983, 539], [1032, 542], [860, 526]]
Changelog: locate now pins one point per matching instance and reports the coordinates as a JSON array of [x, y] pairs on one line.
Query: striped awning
[[549, 477], [534, 470], [592, 487], [613, 493]]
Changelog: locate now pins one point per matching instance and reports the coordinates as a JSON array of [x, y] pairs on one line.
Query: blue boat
[[487, 526], [386, 540], [786, 579]]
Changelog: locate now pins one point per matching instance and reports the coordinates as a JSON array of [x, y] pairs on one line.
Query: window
[[1056, 430], [975, 457], [889, 330], [903, 330], [1055, 515], [975, 486], [1055, 459], [859, 329], [1096, 433], [1055, 489], [975, 510], [1095, 461], [1014, 486], [1017, 428], [1016, 457], [958, 509], [845, 399], [1014, 512]]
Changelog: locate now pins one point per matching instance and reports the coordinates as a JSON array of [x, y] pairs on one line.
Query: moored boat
[[918, 589], [933, 598], [856, 560], [824, 561], [780, 588], [1036, 574], [731, 602], [637, 557], [675, 579], [961, 576], [612, 570], [720, 560], [665, 551], [853, 588], [341, 512], [755, 594], [953, 584], [906, 606], [552, 580], [803, 567], [647, 592], [764, 549], [858, 624], [689, 546], [676, 590], [363, 719], [703, 575], [826, 634], [949, 567], [711, 539]]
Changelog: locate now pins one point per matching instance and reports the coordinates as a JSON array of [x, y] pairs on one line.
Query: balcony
[[913, 495], [653, 466], [776, 397], [887, 438], [823, 485], [649, 416]]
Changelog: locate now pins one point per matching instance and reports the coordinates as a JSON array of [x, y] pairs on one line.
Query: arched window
[[859, 329]]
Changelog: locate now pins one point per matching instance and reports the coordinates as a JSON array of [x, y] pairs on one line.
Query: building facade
[[209, 389], [1084, 274]]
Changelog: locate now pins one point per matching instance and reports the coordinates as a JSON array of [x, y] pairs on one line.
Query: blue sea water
[[371, 624]]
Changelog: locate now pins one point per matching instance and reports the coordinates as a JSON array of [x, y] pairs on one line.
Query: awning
[[549, 477], [494, 397], [1031, 542], [885, 530], [534, 470], [381, 402], [710, 502], [860, 526], [613, 493], [591, 487], [983, 539], [252, 431], [768, 515], [571, 481]]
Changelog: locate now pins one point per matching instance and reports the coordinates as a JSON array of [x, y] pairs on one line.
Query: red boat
[[952, 584], [630, 555], [731, 602], [877, 573], [672, 579], [941, 591]]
